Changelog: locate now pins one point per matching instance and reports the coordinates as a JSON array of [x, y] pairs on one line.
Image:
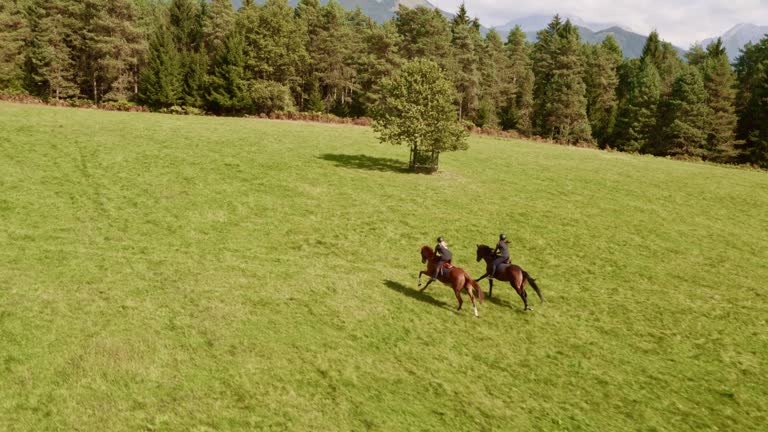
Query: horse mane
[[428, 250], [485, 248]]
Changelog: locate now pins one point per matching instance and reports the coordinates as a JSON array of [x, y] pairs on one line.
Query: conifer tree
[[602, 81], [639, 92], [275, 44], [664, 58], [685, 117], [49, 64], [13, 32], [425, 33], [162, 80], [562, 108], [380, 59], [719, 84], [186, 21], [696, 55], [752, 102], [495, 72], [466, 77], [218, 23], [517, 106], [226, 84], [310, 20]]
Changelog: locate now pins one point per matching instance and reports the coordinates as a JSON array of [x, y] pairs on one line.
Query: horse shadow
[[416, 294], [365, 162], [504, 303]]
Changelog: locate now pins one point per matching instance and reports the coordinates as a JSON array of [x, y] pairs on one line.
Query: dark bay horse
[[516, 276], [456, 277]]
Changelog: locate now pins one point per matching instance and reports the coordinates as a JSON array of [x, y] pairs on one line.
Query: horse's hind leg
[[458, 297], [472, 297], [523, 295]]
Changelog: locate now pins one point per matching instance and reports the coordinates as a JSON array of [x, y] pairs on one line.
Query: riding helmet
[[503, 237], [439, 239]]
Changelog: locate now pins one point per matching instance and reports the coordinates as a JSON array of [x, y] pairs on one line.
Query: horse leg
[[482, 277], [490, 291], [523, 295], [472, 297], [458, 297], [428, 282]]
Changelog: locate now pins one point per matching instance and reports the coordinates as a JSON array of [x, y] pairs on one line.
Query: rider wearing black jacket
[[502, 254], [443, 253]]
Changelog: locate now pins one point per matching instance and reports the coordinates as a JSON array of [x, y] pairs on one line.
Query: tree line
[[322, 58]]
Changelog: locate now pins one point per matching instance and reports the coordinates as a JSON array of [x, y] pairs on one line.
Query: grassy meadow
[[195, 274]]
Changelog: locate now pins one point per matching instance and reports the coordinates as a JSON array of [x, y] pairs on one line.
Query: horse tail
[[532, 281], [477, 288]]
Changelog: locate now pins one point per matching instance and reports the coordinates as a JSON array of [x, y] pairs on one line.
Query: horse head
[[483, 252], [426, 254]]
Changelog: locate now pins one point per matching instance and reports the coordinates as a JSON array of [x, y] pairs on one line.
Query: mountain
[[534, 23], [741, 34], [379, 10], [630, 42]]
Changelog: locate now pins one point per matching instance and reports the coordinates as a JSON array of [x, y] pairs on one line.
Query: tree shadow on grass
[[365, 162], [415, 294]]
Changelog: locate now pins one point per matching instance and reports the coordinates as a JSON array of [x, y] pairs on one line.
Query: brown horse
[[456, 277], [516, 276]]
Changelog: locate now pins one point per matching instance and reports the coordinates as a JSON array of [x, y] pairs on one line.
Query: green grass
[[187, 273]]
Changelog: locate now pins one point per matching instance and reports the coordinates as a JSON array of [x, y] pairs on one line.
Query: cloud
[[681, 22]]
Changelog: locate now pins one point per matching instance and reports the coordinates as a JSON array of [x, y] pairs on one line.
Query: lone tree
[[416, 109]]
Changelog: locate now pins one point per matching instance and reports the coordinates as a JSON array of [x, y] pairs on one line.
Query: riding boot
[[434, 276]]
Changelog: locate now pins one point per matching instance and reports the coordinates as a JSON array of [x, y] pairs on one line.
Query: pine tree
[[119, 47], [543, 56], [664, 58], [57, 67], [602, 81], [562, 108], [696, 55], [13, 32], [752, 102], [685, 117], [425, 33], [275, 45], [162, 80], [639, 94], [218, 23], [466, 77], [495, 72], [380, 59], [186, 21], [517, 106], [719, 84], [226, 84]]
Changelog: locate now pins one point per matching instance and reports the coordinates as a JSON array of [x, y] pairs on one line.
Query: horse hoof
[[529, 308]]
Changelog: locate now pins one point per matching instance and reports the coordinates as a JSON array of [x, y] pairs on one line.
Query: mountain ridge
[[591, 32], [737, 36]]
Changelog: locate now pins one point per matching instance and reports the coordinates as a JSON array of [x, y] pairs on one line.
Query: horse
[[456, 277], [516, 276]]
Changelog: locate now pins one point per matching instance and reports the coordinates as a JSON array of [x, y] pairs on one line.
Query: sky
[[681, 22]]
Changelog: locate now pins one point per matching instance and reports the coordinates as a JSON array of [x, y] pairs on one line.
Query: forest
[[206, 57]]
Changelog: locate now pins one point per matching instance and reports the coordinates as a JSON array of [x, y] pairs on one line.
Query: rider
[[502, 254], [444, 254]]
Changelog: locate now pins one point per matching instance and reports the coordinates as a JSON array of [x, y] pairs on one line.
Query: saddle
[[447, 267], [503, 266]]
